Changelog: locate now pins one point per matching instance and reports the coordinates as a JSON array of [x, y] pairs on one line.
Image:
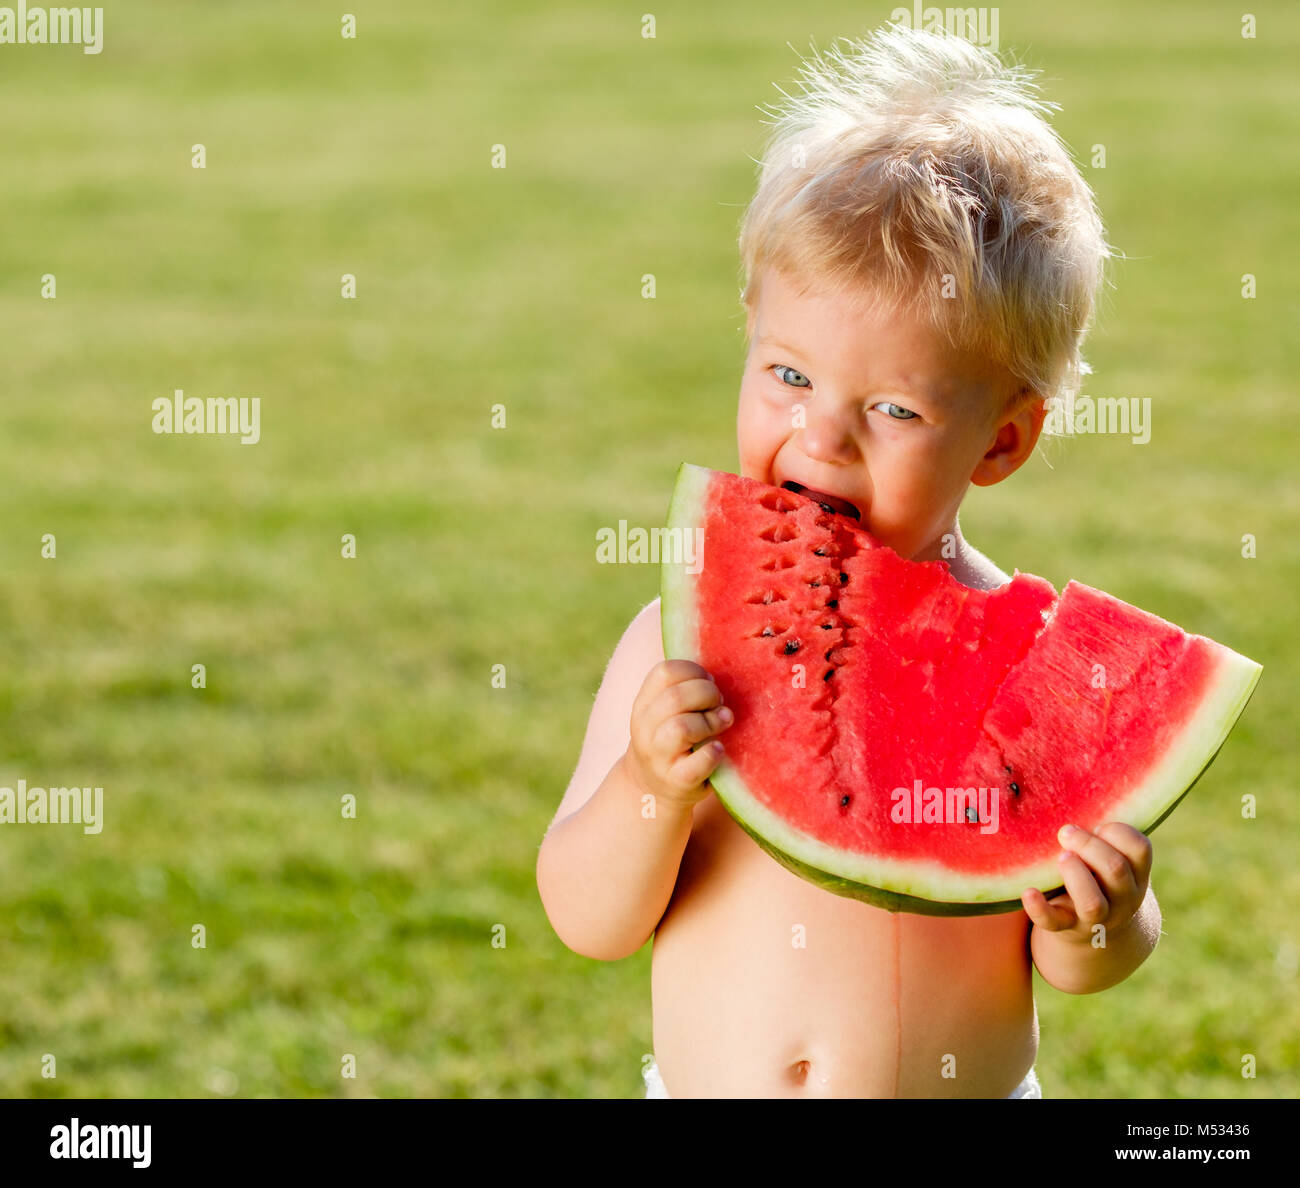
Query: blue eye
[[781, 367], [896, 411]]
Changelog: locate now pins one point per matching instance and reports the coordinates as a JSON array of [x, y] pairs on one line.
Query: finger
[[660, 677], [1108, 865], [1052, 915], [676, 734], [1089, 904], [691, 770], [699, 693], [1133, 844], [717, 720], [672, 672]]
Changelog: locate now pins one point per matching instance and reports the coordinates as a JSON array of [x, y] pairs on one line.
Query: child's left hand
[[1105, 875]]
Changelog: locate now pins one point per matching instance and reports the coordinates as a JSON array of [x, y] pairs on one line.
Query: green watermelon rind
[[920, 887], [894, 901]]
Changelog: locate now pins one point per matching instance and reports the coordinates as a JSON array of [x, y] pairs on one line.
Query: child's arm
[[607, 866], [1107, 880]]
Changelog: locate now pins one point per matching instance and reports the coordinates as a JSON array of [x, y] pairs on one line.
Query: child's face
[[896, 421]]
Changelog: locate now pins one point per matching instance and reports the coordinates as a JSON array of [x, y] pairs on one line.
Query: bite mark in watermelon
[[1078, 708]]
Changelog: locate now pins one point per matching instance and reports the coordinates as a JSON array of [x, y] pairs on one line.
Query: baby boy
[[921, 261]]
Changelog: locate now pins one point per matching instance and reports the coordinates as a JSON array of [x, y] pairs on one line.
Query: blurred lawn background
[[476, 547]]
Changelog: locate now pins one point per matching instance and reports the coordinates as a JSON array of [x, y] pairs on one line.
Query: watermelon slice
[[905, 740]]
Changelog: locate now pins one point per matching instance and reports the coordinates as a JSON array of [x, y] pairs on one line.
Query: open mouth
[[830, 503]]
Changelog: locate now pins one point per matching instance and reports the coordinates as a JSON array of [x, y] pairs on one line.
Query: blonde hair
[[918, 170]]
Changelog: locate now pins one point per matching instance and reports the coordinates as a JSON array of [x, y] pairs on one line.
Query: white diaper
[[654, 1084]]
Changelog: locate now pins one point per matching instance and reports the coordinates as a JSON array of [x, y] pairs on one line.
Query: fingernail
[[1067, 832], [724, 714]]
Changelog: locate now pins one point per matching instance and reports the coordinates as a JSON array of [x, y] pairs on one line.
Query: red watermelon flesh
[[909, 741]]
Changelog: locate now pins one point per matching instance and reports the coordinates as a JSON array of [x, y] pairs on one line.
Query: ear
[[1013, 442]]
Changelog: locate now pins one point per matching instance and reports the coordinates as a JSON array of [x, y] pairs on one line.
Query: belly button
[[799, 1071]]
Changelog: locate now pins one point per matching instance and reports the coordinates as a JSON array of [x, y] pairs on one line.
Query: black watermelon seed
[[1007, 770], [828, 652], [827, 626], [826, 507], [768, 631], [830, 672], [833, 604], [791, 646], [819, 552], [1015, 788], [972, 815], [814, 583], [844, 577], [844, 802]]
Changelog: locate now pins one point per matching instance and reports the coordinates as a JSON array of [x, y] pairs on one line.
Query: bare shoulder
[[609, 726], [977, 571], [638, 651], [646, 629]]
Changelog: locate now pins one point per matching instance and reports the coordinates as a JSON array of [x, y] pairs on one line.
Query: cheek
[[760, 428], [944, 474], [926, 476]]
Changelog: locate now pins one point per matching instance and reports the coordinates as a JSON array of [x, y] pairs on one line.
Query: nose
[[827, 434]]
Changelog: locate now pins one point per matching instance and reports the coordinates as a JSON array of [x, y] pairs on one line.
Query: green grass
[[372, 676]]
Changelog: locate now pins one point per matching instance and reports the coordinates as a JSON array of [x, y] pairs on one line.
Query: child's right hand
[[678, 706]]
